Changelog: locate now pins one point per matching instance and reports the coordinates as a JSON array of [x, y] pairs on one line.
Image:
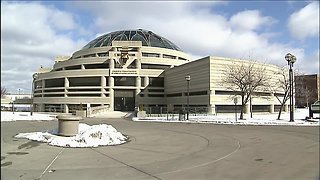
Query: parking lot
[[166, 151]]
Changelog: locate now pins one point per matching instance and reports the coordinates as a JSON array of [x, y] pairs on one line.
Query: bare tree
[[3, 92], [281, 84], [245, 78], [309, 95]]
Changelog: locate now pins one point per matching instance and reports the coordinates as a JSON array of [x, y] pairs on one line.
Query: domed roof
[[148, 38]]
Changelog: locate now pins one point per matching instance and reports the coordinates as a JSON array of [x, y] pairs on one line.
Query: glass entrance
[[124, 100]]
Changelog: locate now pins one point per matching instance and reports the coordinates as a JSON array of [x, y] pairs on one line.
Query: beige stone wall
[[206, 75], [217, 65], [175, 82], [84, 57]]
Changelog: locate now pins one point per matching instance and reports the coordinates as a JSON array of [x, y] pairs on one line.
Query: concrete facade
[[125, 75], [207, 89], [127, 72]]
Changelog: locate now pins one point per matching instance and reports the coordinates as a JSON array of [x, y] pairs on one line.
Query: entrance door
[[124, 100]]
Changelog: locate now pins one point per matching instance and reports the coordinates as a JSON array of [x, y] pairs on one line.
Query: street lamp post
[[291, 59], [34, 77], [188, 78], [235, 100]]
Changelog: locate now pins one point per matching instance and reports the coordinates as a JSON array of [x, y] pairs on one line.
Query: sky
[[33, 33]]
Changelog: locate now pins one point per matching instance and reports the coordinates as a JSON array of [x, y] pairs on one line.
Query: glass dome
[[148, 38]]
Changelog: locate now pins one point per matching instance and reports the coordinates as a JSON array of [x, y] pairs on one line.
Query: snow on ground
[[103, 134], [88, 136], [25, 116], [229, 118]]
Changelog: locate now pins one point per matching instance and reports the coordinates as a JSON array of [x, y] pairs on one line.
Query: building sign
[[123, 72]]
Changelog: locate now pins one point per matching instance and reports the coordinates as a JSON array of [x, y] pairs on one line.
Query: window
[[84, 81], [180, 58], [150, 55], [124, 81], [81, 90], [174, 95], [84, 95], [197, 93], [89, 55], [103, 54], [156, 90], [169, 56], [156, 95], [54, 95], [73, 67], [96, 66], [38, 84], [154, 66], [156, 82], [54, 82], [54, 90]]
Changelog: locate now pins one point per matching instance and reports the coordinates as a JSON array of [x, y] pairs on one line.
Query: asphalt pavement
[[166, 151]]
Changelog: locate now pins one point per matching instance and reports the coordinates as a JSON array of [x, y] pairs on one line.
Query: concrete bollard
[[68, 125]]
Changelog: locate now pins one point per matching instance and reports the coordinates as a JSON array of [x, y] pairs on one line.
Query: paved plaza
[[166, 151]]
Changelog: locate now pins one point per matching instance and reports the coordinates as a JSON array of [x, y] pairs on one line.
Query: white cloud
[[311, 62], [250, 20], [196, 28], [30, 38], [62, 20], [305, 22], [31, 32]]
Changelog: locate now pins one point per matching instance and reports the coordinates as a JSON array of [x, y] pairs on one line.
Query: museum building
[[124, 70]]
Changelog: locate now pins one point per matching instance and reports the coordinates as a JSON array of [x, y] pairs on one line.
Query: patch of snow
[[25, 116], [229, 118], [88, 136]]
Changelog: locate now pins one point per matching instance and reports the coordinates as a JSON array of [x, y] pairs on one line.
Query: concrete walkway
[[166, 151]]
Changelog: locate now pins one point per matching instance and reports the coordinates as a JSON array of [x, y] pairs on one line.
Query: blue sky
[[33, 33]]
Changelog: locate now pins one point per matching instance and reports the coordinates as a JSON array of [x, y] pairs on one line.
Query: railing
[[97, 110]]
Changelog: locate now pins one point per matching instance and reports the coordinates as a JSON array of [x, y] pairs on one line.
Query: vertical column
[[211, 109], [41, 107], [82, 66], [103, 85], [111, 64], [111, 81], [247, 108], [271, 108], [138, 64], [138, 83], [138, 90], [88, 110], [66, 82], [66, 108], [66, 85], [146, 81], [111, 92]]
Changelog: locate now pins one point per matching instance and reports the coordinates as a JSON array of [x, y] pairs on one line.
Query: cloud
[[311, 63], [250, 20], [196, 28], [305, 22], [34, 33], [30, 37]]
